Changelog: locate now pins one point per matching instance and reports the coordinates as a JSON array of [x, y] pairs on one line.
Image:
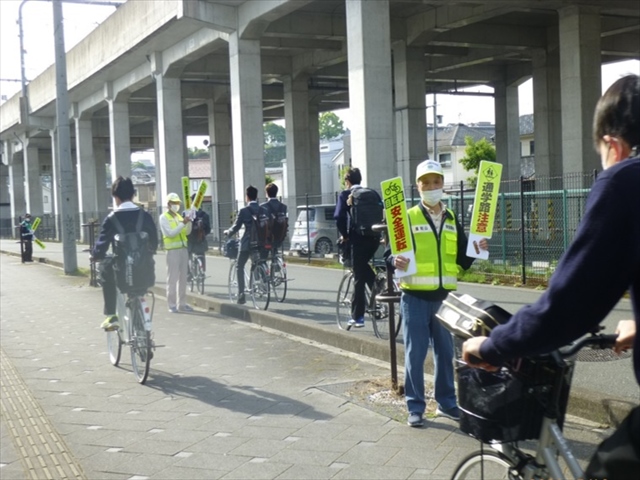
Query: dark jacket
[[245, 219], [25, 230], [128, 218], [201, 228], [600, 265]]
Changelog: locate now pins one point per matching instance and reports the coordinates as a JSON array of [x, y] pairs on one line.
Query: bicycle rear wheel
[[140, 344], [192, 273], [490, 465], [259, 286], [343, 302], [279, 279], [379, 311]]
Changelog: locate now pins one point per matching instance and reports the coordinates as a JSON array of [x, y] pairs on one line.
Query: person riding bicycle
[[127, 214], [245, 219], [274, 206], [600, 265], [362, 247], [197, 240]]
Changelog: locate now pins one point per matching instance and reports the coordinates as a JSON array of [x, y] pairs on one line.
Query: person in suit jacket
[[274, 206], [127, 213], [245, 219]]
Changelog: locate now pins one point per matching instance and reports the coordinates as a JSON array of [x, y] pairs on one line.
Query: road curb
[[594, 406]]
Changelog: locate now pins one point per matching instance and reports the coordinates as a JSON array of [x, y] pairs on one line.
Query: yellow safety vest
[[435, 257], [180, 240]]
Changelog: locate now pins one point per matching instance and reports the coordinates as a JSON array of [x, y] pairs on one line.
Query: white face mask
[[431, 197], [175, 208]]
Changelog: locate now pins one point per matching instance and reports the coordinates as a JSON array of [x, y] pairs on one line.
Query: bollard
[[390, 296], [91, 226]]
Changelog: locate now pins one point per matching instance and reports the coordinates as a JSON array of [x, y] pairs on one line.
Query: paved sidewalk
[[225, 399]]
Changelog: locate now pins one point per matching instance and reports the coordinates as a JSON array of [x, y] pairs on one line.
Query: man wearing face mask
[[440, 246], [175, 229]]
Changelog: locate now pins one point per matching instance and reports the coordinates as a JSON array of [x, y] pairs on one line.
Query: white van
[[322, 230]]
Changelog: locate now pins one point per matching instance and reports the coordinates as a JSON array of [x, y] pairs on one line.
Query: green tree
[[330, 125], [138, 165], [475, 152], [197, 153], [274, 134], [268, 179]]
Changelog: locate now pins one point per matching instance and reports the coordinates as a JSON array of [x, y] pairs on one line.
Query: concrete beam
[[217, 16], [508, 37], [254, 17]]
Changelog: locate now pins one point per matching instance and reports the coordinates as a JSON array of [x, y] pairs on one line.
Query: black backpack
[[278, 224], [366, 211], [134, 266], [259, 235]]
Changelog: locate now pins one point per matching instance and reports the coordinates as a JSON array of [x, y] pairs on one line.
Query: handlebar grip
[[473, 360]]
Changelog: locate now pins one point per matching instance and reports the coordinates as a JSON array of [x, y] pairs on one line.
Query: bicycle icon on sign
[[394, 188]]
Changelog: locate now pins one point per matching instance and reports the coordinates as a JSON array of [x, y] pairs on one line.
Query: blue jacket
[[600, 265]]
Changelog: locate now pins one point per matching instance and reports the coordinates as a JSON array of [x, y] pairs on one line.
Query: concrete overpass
[[155, 72]]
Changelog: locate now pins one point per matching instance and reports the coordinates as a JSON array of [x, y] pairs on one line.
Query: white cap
[[428, 166], [173, 197]]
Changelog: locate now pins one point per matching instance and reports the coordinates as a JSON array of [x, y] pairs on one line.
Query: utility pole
[[68, 206]]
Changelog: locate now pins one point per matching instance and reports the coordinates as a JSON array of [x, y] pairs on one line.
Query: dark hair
[[354, 176], [252, 192], [617, 112], [271, 189], [123, 188]]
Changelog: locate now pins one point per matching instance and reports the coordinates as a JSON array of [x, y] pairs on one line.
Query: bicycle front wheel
[[233, 282], [490, 465], [343, 302], [259, 286], [114, 337], [279, 279], [199, 276], [140, 344], [192, 274]]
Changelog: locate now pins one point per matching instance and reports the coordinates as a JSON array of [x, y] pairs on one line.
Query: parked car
[[321, 227]]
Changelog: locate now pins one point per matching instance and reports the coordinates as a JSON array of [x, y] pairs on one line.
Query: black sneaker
[[241, 300]]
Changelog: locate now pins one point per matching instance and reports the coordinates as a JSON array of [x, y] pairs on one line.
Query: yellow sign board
[[186, 192], [35, 224], [484, 207], [39, 243], [202, 189], [398, 228]]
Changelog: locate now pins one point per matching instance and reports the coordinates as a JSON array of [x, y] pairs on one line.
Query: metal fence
[[536, 220]]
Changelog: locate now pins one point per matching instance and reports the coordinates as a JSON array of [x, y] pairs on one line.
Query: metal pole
[[435, 129], [67, 193], [522, 232]]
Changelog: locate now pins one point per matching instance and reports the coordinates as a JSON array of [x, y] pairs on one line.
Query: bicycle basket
[[230, 248], [508, 405]]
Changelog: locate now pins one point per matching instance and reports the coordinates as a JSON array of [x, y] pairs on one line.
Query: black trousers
[[108, 282], [363, 250], [243, 256]]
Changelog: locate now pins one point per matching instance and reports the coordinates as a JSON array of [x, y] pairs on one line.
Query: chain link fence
[[535, 222]]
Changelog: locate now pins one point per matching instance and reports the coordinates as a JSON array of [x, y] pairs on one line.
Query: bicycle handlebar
[[595, 340]]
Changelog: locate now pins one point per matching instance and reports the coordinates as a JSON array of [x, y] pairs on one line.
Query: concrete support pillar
[[580, 81], [55, 183], [507, 130], [303, 174], [246, 114], [370, 97], [222, 192], [103, 194], [156, 158], [86, 173], [314, 149], [119, 139], [6, 225], [171, 147], [16, 187], [547, 115], [411, 123], [33, 184]]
